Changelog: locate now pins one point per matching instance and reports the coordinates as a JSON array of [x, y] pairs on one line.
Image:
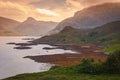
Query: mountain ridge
[[35, 28], [29, 27], [91, 17]]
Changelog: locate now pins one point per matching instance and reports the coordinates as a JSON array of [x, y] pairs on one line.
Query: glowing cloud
[[47, 12], [74, 3], [14, 6]]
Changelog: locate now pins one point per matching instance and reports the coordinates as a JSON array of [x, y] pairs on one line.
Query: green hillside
[[107, 34], [112, 48], [67, 35], [104, 35], [64, 74]]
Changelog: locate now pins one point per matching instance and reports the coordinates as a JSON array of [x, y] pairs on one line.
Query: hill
[[7, 26], [67, 35], [107, 34], [104, 35]]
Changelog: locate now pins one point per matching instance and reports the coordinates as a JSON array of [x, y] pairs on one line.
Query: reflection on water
[[12, 61]]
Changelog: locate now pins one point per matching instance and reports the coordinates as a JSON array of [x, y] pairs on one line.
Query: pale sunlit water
[[13, 63]]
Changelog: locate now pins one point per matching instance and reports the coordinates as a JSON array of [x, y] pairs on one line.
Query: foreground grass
[[64, 73], [112, 48], [66, 77]]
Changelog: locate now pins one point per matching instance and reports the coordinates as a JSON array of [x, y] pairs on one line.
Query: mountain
[[32, 27], [7, 26], [29, 27], [103, 35], [91, 17]]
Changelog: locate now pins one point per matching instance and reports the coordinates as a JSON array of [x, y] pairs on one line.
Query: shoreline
[[90, 51]]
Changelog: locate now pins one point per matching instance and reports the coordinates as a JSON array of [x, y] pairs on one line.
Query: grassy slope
[[67, 35], [112, 48], [107, 34], [64, 73]]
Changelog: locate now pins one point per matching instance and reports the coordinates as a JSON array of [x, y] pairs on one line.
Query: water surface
[[13, 63]]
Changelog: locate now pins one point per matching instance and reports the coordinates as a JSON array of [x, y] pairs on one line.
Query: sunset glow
[[47, 12], [44, 10]]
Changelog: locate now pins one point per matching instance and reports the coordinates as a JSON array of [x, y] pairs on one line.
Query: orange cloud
[[74, 3], [53, 10], [13, 6], [20, 12]]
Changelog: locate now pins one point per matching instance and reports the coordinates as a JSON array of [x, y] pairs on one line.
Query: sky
[[44, 10]]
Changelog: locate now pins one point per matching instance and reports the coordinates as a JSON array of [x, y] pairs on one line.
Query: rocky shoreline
[[90, 51]]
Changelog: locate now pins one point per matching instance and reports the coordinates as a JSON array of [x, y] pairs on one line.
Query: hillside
[[7, 26], [91, 17], [67, 35], [104, 35]]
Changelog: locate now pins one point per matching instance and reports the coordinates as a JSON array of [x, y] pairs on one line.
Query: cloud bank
[[47, 10]]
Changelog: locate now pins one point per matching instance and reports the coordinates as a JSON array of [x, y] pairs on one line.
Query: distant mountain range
[[34, 27], [91, 17], [107, 34], [29, 27]]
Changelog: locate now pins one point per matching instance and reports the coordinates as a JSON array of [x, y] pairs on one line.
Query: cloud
[[47, 12], [94, 2], [74, 3], [20, 1], [55, 10], [20, 12], [49, 4], [13, 6], [13, 10]]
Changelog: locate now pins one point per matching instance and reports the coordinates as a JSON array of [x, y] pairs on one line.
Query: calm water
[[13, 63]]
